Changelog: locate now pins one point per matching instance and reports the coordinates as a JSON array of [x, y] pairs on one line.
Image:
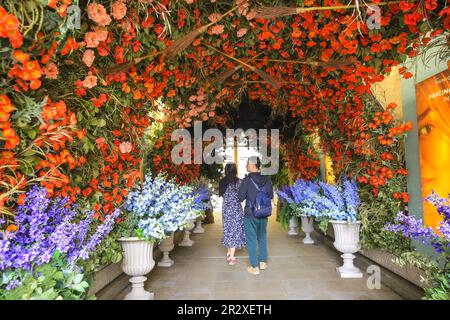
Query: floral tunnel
[[92, 90]]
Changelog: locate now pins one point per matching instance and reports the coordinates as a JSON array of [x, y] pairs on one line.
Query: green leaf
[[101, 123], [78, 278], [32, 133]]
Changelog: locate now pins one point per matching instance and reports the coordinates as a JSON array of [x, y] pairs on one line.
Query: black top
[[247, 190]]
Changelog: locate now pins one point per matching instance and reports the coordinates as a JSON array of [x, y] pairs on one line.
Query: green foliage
[[323, 224], [51, 281], [441, 288], [375, 213], [281, 178], [108, 251], [285, 214], [436, 280], [211, 172]]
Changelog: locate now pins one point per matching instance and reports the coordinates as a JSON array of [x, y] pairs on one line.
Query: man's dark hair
[[256, 161]]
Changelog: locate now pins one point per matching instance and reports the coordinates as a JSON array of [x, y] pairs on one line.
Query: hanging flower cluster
[[9, 28]]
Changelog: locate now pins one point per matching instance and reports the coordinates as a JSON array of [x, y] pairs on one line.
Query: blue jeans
[[256, 232]]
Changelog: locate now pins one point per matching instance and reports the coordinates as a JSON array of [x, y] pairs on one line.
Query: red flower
[[181, 18], [406, 6], [431, 4], [412, 18], [407, 75]]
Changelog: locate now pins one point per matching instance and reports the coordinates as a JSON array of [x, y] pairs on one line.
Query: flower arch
[[74, 103]]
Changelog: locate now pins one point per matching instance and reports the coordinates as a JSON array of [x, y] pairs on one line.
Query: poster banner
[[433, 118]]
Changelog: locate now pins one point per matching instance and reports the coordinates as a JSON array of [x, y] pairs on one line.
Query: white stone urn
[[187, 242], [198, 226], [307, 228], [346, 240], [137, 262], [293, 224], [166, 246]]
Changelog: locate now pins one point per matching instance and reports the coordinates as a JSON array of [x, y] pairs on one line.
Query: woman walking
[[232, 213]]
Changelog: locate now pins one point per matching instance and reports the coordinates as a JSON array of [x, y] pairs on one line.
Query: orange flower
[[119, 9], [408, 126], [97, 13], [20, 56], [50, 71], [21, 199], [12, 228], [88, 57], [35, 84], [90, 81]]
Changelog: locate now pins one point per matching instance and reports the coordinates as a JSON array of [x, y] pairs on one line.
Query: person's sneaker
[[263, 265], [253, 270]]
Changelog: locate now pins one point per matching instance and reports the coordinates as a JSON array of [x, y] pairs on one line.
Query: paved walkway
[[295, 271]]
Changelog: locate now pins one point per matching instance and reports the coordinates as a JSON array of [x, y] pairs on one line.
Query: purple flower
[[46, 226], [13, 284], [411, 227], [444, 228]]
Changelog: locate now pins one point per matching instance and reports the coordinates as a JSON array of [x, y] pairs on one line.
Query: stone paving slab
[[296, 272]]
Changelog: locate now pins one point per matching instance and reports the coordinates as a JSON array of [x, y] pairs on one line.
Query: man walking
[[257, 190]]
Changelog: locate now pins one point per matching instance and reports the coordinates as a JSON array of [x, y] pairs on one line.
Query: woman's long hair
[[231, 173], [230, 178]]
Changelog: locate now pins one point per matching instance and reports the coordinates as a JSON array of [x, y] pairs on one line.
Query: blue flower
[[161, 206]]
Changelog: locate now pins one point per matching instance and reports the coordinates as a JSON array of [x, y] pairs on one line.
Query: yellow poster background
[[433, 119]]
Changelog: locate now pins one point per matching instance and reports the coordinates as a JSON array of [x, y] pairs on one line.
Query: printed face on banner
[[433, 116]]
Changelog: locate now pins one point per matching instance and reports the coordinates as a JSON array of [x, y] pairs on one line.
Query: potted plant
[[340, 207], [155, 210], [165, 247], [301, 197], [203, 203], [286, 214], [186, 205], [187, 241]]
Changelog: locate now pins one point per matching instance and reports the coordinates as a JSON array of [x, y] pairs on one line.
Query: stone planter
[[187, 242], [165, 247], [347, 242], [198, 227], [137, 262], [293, 224], [307, 228]]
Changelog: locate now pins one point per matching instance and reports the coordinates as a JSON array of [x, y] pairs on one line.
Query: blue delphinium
[[351, 199], [161, 207], [303, 197], [322, 200], [334, 194], [202, 197], [285, 194]]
